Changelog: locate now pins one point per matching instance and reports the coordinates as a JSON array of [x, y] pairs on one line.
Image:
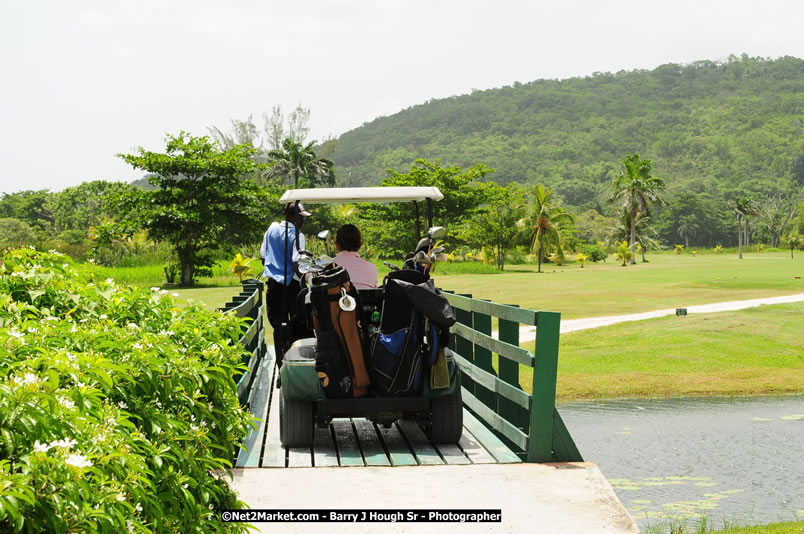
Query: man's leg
[[275, 315]]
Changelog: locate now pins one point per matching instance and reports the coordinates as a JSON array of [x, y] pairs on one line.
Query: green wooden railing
[[529, 423], [249, 304]]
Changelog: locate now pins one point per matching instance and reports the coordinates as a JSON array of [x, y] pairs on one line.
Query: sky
[[84, 80]]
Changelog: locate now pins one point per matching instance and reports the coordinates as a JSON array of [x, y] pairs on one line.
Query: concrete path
[[538, 498], [528, 333]]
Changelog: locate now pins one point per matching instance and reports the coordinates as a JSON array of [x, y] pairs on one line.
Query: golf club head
[[436, 232], [390, 266], [323, 235], [423, 244], [324, 260], [422, 258], [438, 250]]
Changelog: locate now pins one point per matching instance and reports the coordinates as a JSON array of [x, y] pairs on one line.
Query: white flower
[[154, 288], [137, 346], [123, 405], [175, 294], [138, 508], [163, 292], [91, 260], [30, 378], [67, 403], [132, 326], [40, 447], [120, 497], [103, 316], [33, 330], [110, 281], [63, 443], [76, 460], [15, 333]]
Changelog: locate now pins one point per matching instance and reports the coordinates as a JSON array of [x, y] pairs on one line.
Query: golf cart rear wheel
[[447, 424], [295, 422]]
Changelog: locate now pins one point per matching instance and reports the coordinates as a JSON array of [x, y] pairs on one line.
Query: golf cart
[[378, 353]]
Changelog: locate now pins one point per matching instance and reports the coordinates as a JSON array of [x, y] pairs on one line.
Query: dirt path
[[528, 333]]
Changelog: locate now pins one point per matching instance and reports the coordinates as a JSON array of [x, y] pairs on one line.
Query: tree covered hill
[[710, 126]]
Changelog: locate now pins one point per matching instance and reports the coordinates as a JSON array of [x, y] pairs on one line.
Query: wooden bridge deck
[[358, 442]]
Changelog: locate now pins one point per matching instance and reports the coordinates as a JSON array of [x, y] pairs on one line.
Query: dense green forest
[[715, 131]]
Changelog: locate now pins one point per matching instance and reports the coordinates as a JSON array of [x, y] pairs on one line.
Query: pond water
[[735, 459]]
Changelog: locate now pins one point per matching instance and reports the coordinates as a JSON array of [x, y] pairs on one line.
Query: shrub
[[118, 411], [595, 252]]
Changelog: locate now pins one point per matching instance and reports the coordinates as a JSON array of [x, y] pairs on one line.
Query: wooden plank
[[491, 382], [324, 454], [243, 309], [346, 442], [249, 455], [540, 434], [300, 457], [474, 450], [505, 350], [490, 442], [398, 449], [452, 454], [250, 334], [519, 438], [510, 313], [564, 447], [422, 449], [481, 322], [373, 452], [509, 373], [273, 452]]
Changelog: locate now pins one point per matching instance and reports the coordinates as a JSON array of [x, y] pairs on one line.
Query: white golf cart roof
[[342, 195]]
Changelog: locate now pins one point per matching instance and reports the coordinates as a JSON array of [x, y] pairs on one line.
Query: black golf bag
[[341, 341], [413, 310]]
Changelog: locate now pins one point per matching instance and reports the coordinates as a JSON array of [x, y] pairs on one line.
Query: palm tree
[[743, 207], [624, 253], [636, 189], [298, 163], [643, 233], [687, 227], [544, 224]]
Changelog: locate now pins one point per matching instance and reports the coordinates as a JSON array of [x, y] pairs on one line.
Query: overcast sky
[[83, 80]]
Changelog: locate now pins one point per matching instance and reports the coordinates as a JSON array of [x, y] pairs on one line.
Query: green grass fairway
[[211, 297], [747, 352], [668, 281]]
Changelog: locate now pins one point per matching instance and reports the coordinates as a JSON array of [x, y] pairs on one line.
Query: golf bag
[[339, 353], [413, 310]]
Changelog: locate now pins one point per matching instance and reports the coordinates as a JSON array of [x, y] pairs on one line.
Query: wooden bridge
[[515, 454], [502, 422]]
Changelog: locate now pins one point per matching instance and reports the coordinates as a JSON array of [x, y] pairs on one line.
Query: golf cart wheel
[[447, 424], [295, 422]]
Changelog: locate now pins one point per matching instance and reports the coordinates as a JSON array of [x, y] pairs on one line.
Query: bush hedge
[[118, 412]]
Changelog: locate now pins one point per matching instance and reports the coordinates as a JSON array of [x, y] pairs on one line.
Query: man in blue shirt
[[282, 241]]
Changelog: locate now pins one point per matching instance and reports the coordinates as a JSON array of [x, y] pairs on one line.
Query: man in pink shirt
[[362, 273]]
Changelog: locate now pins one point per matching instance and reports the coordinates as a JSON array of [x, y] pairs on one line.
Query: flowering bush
[[118, 412]]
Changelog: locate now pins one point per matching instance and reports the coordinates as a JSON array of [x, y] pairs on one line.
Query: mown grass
[[683, 525], [796, 527], [747, 352], [668, 281], [154, 275]]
